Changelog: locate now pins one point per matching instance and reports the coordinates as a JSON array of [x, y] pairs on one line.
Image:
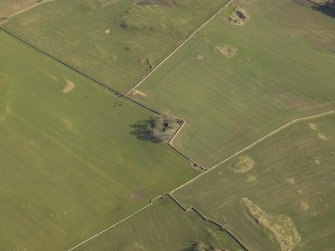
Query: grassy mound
[[293, 187], [226, 50], [243, 164], [280, 227]]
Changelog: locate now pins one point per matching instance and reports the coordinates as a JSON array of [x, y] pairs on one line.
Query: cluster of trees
[[164, 127]]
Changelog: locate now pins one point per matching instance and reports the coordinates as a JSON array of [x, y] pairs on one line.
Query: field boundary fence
[[207, 219], [101, 84], [170, 194], [170, 143], [292, 122], [177, 48]]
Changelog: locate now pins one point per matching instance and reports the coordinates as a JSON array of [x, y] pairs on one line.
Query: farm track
[[7, 18], [170, 194]]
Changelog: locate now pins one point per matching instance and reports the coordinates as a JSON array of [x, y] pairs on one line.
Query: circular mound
[[243, 164]]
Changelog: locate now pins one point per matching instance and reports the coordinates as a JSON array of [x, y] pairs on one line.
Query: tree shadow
[[142, 130], [193, 247], [325, 9]]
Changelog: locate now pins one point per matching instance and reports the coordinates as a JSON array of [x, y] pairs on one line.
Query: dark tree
[[164, 127]]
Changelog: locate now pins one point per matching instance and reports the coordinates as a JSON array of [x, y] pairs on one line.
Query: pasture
[[235, 83], [162, 226], [116, 42], [70, 163], [279, 195]]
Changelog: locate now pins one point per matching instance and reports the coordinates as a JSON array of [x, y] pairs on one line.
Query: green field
[[290, 175], [70, 165], [283, 69], [162, 226], [8, 7], [114, 41], [75, 156]]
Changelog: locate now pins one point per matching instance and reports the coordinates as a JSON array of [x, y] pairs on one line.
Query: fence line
[[209, 169], [205, 218], [177, 49], [157, 112], [170, 194], [101, 84]]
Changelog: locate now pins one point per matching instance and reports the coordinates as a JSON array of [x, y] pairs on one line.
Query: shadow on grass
[[193, 247], [142, 130], [325, 9]]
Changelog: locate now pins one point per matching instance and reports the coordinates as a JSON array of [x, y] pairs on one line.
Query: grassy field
[[114, 41], [8, 7], [283, 69], [70, 164], [162, 226], [286, 180]]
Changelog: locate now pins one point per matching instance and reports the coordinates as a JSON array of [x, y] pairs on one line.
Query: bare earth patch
[[243, 164], [312, 126], [68, 87], [200, 57], [290, 181], [317, 162], [251, 179], [280, 228], [304, 206], [226, 50], [138, 93], [322, 137]]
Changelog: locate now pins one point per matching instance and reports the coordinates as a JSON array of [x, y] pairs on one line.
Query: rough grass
[[69, 165], [226, 50], [8, 7], [283, 70], [293, 176], [162, 226], [236, 16], [139, 37], [281, 228]]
